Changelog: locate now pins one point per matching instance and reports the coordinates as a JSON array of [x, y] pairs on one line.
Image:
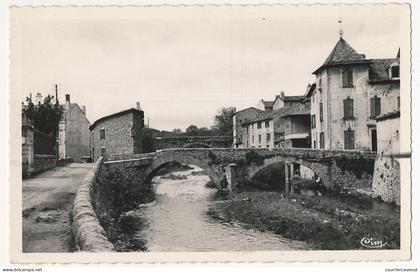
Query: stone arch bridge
[[183, 141], [339, 170]]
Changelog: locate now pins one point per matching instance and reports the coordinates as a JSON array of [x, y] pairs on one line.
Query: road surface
[[47, 201]]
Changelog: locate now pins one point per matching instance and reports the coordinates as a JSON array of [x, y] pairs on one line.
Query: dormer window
[[395, 71]]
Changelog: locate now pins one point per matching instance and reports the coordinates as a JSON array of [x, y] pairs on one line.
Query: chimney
[[138, 106], [84, 109], [67, 105], [282, 95]]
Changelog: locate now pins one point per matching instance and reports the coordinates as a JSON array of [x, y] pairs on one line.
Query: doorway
[[374, 140]]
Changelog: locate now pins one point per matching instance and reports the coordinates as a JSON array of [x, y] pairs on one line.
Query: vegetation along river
[[177, 220]]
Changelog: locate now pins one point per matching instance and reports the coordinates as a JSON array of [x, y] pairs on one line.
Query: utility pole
[[57, 127]]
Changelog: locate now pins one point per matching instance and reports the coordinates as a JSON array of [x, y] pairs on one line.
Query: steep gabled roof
[[294, 110], [117, 114], [342, 53], [248, 109], [297, 110], [268, 103], [293, 97], [378, 70]]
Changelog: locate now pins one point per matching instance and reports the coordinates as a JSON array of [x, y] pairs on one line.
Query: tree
[[192, 130], [223, 121], [148, 140], [177, 130], [45, 113]]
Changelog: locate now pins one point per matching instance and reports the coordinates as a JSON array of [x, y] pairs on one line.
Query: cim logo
[[372, 243]]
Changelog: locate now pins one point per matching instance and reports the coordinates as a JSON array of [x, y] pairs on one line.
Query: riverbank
[[324, 222]]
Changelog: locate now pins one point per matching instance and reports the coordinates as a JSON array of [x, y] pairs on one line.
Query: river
[[177, 220]]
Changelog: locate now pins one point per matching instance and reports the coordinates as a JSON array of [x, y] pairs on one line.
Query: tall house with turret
[[351, 91]]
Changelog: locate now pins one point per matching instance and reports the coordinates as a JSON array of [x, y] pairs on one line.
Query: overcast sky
[[182, 64]]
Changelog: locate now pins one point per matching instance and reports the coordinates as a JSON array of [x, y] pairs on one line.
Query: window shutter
[[372, 107], [349, 139], [321, 112], [377, 106], [348, 108]]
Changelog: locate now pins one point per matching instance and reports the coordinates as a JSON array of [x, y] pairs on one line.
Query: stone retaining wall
[[43, 162], [89, 234]]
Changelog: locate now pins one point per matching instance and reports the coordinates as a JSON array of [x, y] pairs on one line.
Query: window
[[268, 139], [267, 124], [321, 140], [259, 138], [375, 106], [313, 121], [252, 138], [314, 144], [348, 108], [133, 132], [259, 125], [102, 134], [398, 102], [395, 71], [349, 139], [320, 84], [347, 78], [321, 112]]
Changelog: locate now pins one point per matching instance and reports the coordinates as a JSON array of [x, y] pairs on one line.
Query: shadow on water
[[178, 220]]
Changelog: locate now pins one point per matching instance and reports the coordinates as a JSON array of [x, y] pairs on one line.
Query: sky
[[183, 64]]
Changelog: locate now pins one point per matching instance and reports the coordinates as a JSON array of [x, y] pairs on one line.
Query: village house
[[239, 118], [265, 105], [117, 134], [74, 134], [286, 125], [351, 91]]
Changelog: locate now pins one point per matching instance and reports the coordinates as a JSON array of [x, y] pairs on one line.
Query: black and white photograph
[[210, 133]]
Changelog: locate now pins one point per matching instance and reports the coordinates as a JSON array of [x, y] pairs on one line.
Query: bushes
[[325, 223], [116, 195]]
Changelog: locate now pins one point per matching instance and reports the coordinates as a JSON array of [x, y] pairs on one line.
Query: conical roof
[[342, 53]]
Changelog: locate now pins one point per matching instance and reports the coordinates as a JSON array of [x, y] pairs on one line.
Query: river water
[[177, 221]]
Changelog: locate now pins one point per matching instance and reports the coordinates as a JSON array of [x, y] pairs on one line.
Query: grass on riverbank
[[326, 222]]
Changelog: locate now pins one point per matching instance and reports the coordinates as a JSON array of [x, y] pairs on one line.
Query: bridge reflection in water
[[177, 221]]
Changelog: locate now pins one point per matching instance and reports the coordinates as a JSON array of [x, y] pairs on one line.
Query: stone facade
[[89, 235], [74, 134], [386, 179], [259, 134], [239, 140], [192, 142], [33, 163], [339, 170], [117, 134], [341, 105], [280, 128]]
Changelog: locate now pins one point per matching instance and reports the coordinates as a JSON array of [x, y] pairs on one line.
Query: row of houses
[[114, 134], [340, 110]]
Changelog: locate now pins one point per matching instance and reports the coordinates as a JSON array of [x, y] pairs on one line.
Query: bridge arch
[[321, 170], [185, 157]]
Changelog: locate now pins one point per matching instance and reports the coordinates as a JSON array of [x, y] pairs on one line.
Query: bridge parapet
[[337, 169]]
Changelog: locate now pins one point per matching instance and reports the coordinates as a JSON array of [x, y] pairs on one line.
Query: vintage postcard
[[219, 133]]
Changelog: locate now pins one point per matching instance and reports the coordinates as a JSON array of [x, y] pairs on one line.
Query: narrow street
[[47, 204]]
